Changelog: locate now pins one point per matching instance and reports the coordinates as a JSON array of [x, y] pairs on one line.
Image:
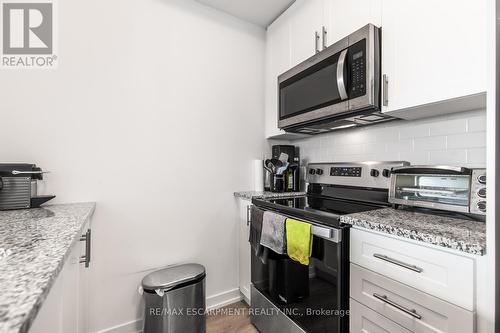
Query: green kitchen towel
[[298, 240]]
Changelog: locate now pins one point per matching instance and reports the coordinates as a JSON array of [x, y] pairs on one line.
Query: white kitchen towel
[[273, 232]]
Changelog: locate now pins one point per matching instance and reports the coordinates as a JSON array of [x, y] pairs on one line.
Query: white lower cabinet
[[406, 306], [439, 273], [401, 286], [244, 248], [364, 320], [66, 307]]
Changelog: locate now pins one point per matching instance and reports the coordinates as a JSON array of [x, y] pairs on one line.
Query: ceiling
[[259, 12]]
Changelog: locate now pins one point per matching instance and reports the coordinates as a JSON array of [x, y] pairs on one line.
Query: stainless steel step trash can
[[175, 300]]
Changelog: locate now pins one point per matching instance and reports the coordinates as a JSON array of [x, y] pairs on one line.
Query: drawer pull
[[386, 300], [399, 263]]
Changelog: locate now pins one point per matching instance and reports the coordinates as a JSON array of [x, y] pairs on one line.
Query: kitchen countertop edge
[[473, 248]]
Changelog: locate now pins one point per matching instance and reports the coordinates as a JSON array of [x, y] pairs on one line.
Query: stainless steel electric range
[[318, 299]]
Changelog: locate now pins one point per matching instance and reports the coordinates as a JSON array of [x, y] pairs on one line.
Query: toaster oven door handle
[[17, 172], [340, 75], [431, 169]]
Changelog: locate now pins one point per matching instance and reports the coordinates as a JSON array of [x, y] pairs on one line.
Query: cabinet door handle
[[249, 207], [316, 42], [398, 263], [385, 89], [385, 299], [85, 259], [324, 33]]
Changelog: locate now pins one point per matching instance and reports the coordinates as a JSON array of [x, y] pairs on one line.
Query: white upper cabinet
[[433, 51], [307, 19], [346, 16], [278, 55], [277, 62]]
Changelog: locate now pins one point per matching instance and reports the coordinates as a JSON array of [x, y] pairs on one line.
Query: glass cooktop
[[316, 209]]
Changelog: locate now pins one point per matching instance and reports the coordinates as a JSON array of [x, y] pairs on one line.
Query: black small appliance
[[290, 182], [18, 186]]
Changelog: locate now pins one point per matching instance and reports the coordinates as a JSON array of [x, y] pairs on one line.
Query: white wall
[[458, 139], [155, 112]]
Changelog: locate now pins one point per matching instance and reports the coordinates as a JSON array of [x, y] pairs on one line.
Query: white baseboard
[[213, 302], [222, 299], [134, 326]]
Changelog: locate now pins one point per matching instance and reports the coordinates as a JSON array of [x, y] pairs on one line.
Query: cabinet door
[[59, 312], [50, 315], [432, 51], [306, 21], [277, 62], [244, 249], [70, 294], [345, 17]]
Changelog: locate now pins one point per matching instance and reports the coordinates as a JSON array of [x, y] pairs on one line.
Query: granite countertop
[[453, 233], [34, 244], [249, 195]]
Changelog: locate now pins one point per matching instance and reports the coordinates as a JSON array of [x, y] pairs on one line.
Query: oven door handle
[[340, 75], [333, 235]]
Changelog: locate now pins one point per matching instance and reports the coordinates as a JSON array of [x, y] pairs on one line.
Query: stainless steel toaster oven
[[455, 189]]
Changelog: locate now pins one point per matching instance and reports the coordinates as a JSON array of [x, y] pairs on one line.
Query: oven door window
[[314, 296], [315, 88]]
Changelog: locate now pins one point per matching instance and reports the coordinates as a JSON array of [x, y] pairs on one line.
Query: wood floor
[[230, 319]]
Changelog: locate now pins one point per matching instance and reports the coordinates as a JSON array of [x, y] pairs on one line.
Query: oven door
[[315, 89], [290, 297]]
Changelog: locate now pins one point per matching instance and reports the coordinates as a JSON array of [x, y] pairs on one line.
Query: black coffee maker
[[283, 179]]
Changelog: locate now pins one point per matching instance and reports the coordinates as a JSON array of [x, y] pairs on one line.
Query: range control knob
[[482, 192], [481, 179], [312, 171], [374, 173], [481, 205], [319, 172], [386, 173]]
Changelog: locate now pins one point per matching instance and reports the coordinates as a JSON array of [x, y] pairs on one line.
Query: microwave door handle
[[340, 75]]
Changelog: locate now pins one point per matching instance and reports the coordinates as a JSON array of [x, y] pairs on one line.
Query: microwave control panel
[[357, 60]]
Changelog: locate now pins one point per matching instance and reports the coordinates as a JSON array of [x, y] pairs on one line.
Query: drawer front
[[438, 273], [406, 306], [365, 320]]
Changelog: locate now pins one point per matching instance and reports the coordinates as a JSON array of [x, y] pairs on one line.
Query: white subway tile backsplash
[[414, 131], [385, 134], [448, 157], [398, 146], [476, 157], [458, 139], [448, 127], [429, 143], [476, 124], [467, 140], [375, 148]]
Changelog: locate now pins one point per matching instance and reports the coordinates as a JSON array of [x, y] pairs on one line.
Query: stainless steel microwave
[[338, 87]]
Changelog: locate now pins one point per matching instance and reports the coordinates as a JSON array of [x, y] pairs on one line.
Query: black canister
[[277, 183]]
